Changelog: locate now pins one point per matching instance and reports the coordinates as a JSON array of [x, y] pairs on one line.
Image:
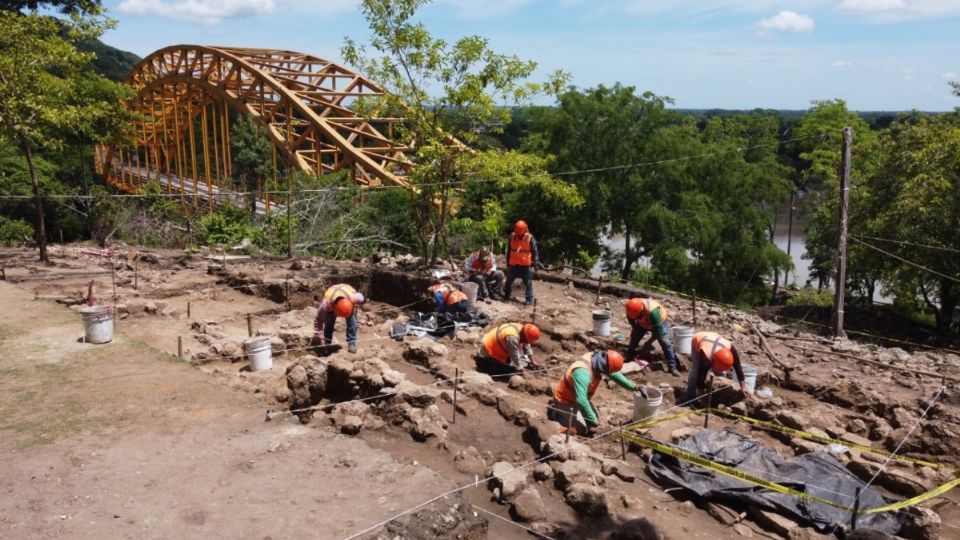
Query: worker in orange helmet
[[573, 393], [507, 349], [522, 256], [648, 315], [711, 352], [339, 300], [449, 298]]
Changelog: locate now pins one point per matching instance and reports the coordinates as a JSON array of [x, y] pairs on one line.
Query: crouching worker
[[481, 267], [647, 315], [449, 298], [340, 300], [507, 349], [711, 352], [571, 397]]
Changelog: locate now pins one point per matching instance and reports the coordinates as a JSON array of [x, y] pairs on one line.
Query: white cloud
[[200, 11], [949, 75], [872, 6], [841, 64], [786, 21]]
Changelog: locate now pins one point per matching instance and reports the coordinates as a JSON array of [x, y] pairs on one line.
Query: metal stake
[[180, 346], [456, 381], [856, 510], [706, 417]]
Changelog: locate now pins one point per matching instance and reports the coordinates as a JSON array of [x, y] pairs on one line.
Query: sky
[[734, 54]]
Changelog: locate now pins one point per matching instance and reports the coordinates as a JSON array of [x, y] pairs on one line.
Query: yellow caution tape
[[650, 422], [824, 440], [773, 486]]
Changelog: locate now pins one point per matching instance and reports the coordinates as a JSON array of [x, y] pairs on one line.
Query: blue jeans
[[351, 327], [523, 272], [666, 344]]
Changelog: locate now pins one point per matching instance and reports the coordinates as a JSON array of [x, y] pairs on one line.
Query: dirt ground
[[128, 440]]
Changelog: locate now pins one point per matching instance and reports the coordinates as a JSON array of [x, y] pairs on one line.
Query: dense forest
[[694, 193]]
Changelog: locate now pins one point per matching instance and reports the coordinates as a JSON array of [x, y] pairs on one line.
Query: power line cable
[[905, 243], [901, 259]]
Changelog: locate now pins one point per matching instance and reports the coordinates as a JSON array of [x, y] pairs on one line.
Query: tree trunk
[[949, 298], [627, 255], [37, 199]]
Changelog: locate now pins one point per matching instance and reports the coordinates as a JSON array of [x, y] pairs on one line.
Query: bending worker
[[507, 348], [481, 267], [571, 397], [716, 353], [522, 255], [647, 315], [449, 298], [339, 300]]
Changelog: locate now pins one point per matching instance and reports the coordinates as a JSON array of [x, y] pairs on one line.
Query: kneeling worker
[[506, 348], [577, 386], [449, 298], [716, 353], [339, 300]]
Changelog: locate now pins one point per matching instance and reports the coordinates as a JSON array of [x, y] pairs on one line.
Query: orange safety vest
[[650, 305], [450, 294], [521, 250], [495, 341], [340, 290], [482, 264], [566, 392], [709, 343]]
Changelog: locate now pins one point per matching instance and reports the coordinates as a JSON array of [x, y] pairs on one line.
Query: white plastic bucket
[[260, 353], [749, 376], [470, 289], [646, 407], [97, 324], [683, 339], [601, 322]]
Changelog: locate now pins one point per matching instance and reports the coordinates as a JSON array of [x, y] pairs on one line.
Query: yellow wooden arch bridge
[[185, 94]]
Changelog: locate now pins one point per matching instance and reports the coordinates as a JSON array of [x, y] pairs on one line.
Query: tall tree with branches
[[449, 94]]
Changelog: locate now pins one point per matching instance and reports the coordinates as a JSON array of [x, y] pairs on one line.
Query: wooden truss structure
[[182, 135]]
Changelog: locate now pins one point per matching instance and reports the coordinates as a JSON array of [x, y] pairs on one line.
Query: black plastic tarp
[[437, 324], [818, 474]]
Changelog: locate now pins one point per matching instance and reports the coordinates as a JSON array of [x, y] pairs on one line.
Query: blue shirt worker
[[522, 255], [449, 298]]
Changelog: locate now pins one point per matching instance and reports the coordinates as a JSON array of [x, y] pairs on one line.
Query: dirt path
[[121, 441]]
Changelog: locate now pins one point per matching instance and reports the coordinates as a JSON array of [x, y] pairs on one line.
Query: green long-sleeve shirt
[[581, 384]]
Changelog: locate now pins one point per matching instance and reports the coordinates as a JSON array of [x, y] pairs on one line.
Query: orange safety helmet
[[614, 361], [635, 307], [530, 333], [722, 360], [520, 227], [343, 307]]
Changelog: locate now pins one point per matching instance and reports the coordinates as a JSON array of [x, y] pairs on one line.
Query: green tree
[[47, 98], [443, 91], [820, 132], [68, 7], [252, 154], [913, 198]]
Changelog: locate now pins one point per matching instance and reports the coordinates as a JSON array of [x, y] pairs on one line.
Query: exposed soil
[[126, 439]]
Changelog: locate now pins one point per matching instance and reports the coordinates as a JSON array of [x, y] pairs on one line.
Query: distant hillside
[[112, 63]]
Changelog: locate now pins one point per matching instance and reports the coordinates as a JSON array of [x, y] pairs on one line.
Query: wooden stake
[[286, 288], [3, 274], [113, 277], [188, 309], [456, 381], [136, 272], [569, 425], [599, 287], [786, 273], [623, 444], [180, 346], [289, 222], [856, 510], [694, 302], [249, 325], [706, 416], [841, 277]]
